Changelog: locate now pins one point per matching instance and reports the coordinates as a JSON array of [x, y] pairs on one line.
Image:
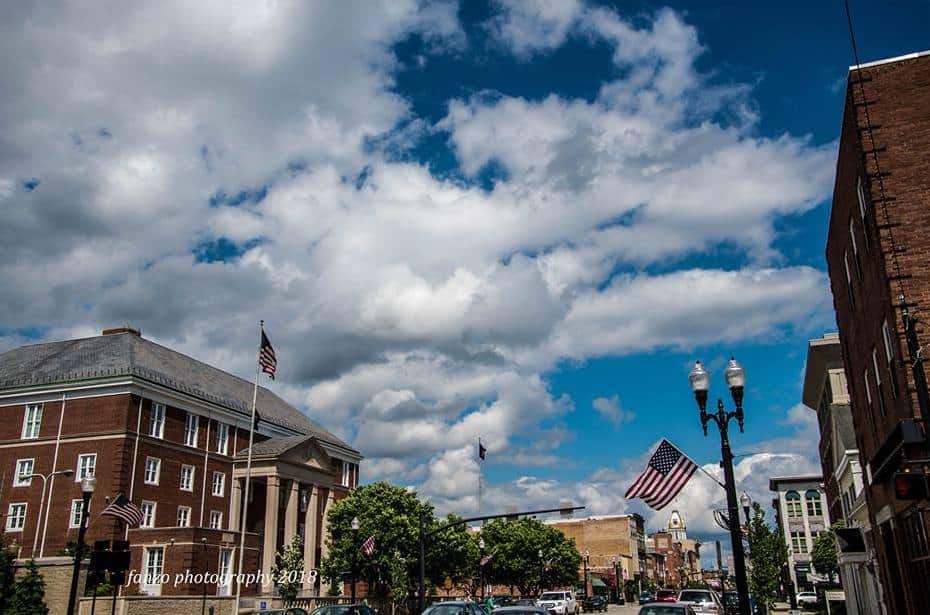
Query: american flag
[[123, 509], [266, 356], [668, 471], [368, 547]]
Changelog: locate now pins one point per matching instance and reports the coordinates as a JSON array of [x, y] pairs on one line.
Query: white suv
[[560, 602]]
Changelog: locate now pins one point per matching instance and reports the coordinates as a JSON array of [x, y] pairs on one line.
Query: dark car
[[521, 610], [455, 607], [291, 611], [523, 602], [666, 595], [594, 603], [667, 608], [337, 609], [646, 597], [502, 601]]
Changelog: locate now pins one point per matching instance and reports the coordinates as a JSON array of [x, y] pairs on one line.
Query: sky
[[520, 221]]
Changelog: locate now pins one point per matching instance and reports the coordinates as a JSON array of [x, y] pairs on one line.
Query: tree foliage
[[823, 553], [28, 594], [7, 556], [288, 569], [391, 515], [767, 554], [514, 547]]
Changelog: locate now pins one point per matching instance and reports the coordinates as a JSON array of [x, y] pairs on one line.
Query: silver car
[[702, 600], [667, 608]]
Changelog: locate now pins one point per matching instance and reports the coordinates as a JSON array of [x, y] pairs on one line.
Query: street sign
[[834, 596]]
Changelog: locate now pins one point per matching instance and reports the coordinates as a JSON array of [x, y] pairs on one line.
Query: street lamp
[[735, 376], [584, 558], [44, 477], [88, 484], [355, 548], [542, 571], [616, 564], [746, 502], [481, 565]]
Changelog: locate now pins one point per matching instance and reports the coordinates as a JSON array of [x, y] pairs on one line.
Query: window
[[157, 421], [222, 438], [216, 520], [32, 421], [879, 388], [219, 484], [793, 504], [889, 355], [798, 542], [868, 399], [77, 509], [148, 514], [152, 565], [855, 247], [87, 464], [346, 473], [184, 516], [24, 468], [814, 503], [849, 286], [152, 470], [863, 211], [190, 429], [225, 573], [187, 478], [16, 517]]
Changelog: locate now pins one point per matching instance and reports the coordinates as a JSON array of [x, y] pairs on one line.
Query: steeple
[[676, 527]]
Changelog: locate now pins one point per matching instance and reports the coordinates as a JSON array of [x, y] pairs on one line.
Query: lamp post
[[481, 566], [746, 502], [88, 484], [616, 564], [355, 547], [736, 380], [584, 558], [44, 477], [542, 571]]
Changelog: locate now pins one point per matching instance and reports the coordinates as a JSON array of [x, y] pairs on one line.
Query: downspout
[[51, 488]]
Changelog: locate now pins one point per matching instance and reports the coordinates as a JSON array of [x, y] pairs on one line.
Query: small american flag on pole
[[123, 509], [266, 356], [668, 471], [368, 547]]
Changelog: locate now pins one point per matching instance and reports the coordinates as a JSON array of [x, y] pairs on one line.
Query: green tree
[[28, 594], [823, 553], [7, 556], [767, 553], [288, 569], [514, 546]]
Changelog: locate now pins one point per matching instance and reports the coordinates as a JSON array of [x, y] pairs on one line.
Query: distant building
[[878, 249], [171, 433], [614, 543], [825, 390], [801, 513], [680, 556]]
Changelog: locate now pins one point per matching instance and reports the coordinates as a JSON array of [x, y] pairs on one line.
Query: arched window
[[814, 503], [793, 504]]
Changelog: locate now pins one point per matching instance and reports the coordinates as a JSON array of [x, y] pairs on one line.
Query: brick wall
[[897, 96]]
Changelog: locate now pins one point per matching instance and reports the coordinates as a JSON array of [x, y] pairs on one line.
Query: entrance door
[[891, 564], [153, 564], [224, 586]]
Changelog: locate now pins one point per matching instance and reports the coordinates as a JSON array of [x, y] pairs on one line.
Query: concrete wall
[[56, 572], [162, 605]]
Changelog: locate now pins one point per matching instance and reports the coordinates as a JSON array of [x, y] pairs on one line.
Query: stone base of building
[[56, 572], [160, 605]]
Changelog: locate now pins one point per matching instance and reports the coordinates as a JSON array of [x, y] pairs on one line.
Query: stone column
[[271, 532], [290, 512], [324, 535], [311, 518], [235, 504]]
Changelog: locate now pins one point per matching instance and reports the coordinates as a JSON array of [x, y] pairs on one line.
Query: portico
[[294, 482]]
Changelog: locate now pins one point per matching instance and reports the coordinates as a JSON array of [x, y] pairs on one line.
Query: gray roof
[[127, 354], [274, 446]]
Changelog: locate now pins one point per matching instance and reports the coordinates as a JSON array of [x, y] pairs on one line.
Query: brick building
[[801, 514], [171, 433], [878, 249]]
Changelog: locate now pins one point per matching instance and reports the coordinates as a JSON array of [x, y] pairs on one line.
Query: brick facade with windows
[[123, 403], [880, 219]]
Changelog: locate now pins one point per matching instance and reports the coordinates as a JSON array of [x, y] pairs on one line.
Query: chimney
[[123, 329]]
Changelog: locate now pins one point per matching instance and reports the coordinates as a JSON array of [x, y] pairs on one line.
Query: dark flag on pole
[[667, 473], [266, 356], [368, 547], [123, 509], [482, 452]]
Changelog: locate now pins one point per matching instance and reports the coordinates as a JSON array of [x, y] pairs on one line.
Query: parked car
[[521, 610], [666, 595], [646, 597], [559, 602], [667, 608], [290, 611], [524, 602], [731, 603], [595, 603], [806, 598], [502, 601], [454, 607], [339, 609], [703, 600]]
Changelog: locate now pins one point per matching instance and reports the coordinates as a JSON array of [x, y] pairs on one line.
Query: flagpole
[[479, 477], [699, 466], [248, 473]]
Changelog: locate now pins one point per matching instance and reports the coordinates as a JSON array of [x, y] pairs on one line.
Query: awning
[[596, 582], [850, 540]]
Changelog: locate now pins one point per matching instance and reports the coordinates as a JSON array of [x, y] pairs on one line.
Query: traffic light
[[910, 486]]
